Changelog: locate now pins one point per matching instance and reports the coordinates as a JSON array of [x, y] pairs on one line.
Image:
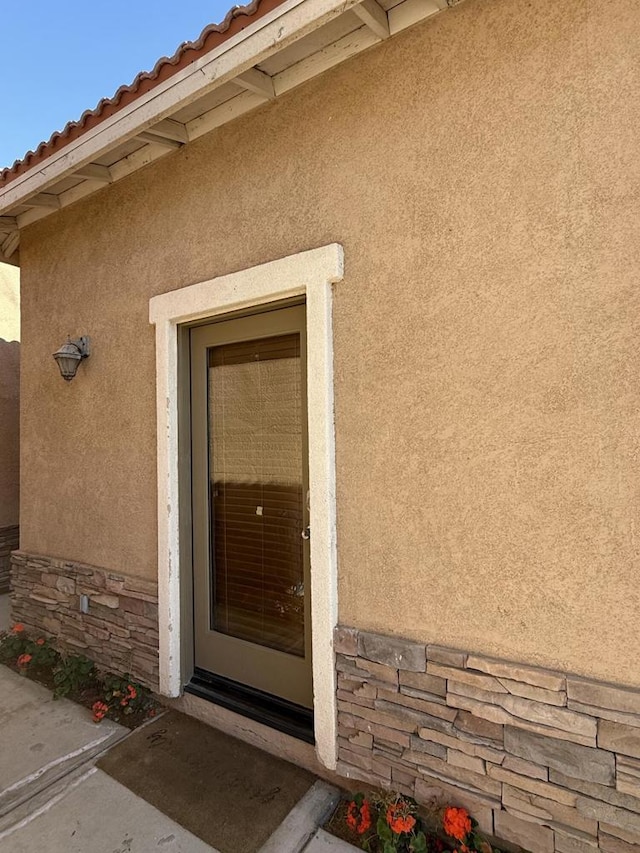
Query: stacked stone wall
[[120, 631], [543, 759], [9, 541]]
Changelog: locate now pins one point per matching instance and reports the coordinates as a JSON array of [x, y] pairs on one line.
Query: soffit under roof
[[257, 53]]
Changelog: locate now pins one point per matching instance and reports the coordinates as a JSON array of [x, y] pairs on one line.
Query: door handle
[[306, 533]]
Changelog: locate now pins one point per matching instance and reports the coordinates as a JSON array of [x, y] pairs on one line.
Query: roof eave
[[232, 61]]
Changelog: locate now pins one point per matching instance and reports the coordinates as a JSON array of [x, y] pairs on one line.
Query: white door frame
[[309, 274]]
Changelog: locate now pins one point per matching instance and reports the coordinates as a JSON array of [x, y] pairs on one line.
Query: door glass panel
[[256, 492]]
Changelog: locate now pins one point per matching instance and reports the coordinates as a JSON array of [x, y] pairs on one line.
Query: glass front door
[[249, 477]]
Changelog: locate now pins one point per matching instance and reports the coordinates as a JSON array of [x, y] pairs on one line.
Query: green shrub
[[72, 674]]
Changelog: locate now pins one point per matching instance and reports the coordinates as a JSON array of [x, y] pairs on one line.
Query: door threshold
[[286, 717]]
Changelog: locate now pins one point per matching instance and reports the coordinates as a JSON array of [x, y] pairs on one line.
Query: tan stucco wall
[[9, 395], [481, 171]]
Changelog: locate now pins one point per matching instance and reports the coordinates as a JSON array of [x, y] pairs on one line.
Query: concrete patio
[[54, 798]]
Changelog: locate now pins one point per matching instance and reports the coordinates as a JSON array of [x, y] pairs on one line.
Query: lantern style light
[[69, 356]]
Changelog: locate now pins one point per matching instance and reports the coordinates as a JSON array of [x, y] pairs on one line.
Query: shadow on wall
[[9, 454]]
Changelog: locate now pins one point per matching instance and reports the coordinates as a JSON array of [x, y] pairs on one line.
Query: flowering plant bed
[[392, 823], [76, 677]]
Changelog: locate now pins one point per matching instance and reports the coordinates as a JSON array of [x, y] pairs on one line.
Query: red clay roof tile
[[188, 52]]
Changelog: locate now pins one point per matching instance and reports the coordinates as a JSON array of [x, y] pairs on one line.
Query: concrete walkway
[[41, 740], [51, 796], [54, 799], [322, 842], [99, 815]]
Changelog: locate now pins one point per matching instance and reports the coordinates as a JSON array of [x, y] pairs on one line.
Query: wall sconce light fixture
[[70, 355]]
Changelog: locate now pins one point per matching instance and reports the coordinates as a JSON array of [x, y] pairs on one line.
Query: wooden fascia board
[[10, 244], [94, 172], [170, 129], [258, 82], [284, 25], [373, 15], [8, 224], [156, 139], [48, 201]]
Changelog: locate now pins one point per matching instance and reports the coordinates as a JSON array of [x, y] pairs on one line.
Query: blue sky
[[61, 58]]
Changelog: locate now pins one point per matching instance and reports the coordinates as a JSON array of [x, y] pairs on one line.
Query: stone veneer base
[[120, 632], [546, 760], [9, 541]]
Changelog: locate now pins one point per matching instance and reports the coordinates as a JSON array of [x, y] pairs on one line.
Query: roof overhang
[[291, 43]]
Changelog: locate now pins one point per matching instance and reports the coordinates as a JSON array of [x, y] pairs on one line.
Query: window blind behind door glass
[[256, 492]]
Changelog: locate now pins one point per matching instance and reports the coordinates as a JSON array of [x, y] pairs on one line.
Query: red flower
[[99, 710], [399, 818], [40, 641], [359, 819], [456, 823], [132, 691], [124, 702], [365, 817], [23, 660], [18, 628]]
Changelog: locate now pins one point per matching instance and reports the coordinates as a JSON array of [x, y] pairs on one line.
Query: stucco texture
[[9, 395], [481, 172]]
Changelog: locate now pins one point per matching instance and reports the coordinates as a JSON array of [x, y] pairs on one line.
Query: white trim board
[[309, 274]]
